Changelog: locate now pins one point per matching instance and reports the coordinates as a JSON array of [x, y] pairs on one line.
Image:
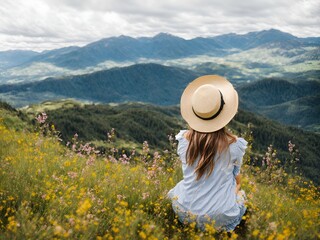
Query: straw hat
[[209, 103]]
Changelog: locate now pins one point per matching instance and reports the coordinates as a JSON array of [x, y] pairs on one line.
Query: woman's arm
[[238, 181]]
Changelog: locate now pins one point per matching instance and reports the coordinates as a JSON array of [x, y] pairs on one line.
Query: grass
[[50, 191]]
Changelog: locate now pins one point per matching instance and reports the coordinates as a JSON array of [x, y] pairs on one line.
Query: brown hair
[[207, 145]]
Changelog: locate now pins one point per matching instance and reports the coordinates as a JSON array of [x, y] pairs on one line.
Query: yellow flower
[[84, 207], [255, 233], [142, 235], [123, 203], [13, 224], [115, 229]]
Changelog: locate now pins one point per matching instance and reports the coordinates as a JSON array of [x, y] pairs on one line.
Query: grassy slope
[[49, 191]]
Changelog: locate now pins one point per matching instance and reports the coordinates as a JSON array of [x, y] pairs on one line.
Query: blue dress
[[210, 198]]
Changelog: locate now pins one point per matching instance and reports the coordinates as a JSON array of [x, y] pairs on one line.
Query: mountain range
[[269, 51], [161, 46]]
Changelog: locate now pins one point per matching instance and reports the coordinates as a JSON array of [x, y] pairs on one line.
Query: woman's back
[[212, 196]]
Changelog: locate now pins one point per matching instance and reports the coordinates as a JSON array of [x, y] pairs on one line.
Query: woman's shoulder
[[240, 142], [182, 135], [239, 145]]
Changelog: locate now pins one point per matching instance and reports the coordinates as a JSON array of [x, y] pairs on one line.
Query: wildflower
[[120, 197], [115, 229], [290, 146], [273, 226], [90, 161], [41, 118], [72, 174], [84, 207], [123, 203], [255, 233], [58, 230], [145, 147], [156, 156], [142, 235], [13, 224], [145, 195], [124, 159]]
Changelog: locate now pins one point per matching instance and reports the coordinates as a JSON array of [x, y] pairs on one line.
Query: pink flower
[[41, 118], [72, 174], [145, 147], [145, 195], [90, 161]]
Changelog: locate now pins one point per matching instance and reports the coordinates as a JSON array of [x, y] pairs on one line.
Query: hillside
[[50, 191], [137, 122], [304, 111], [274, 91], [151, 83], [296, 104]]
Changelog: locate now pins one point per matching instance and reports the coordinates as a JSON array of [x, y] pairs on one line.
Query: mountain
[[124, 48], [265, 38], [13, 58], [54, 55]]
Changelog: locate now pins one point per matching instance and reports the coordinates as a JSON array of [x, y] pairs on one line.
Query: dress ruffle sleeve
[[240, 150], [182, 145]]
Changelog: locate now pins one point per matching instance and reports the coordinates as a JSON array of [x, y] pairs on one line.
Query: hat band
[[214, 115]]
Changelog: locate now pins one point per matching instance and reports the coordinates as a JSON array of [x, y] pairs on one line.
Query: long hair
[[207, 145]]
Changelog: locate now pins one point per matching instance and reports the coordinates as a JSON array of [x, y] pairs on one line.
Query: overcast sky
[[49, 24]]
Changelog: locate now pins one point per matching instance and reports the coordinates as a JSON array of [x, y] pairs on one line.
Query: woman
[[211, 156]]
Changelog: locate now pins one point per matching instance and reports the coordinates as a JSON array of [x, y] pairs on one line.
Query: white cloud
[[47, 24]]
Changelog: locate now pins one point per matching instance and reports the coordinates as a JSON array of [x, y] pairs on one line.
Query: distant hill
[[55, 55], [13, 58], [274, 91], [151, 83], [304, 111], [138, 122], [290, 103]]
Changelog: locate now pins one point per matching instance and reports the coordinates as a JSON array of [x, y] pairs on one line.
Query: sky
[[48, 24]]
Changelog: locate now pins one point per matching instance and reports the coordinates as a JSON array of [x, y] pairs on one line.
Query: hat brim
[[230, 97]]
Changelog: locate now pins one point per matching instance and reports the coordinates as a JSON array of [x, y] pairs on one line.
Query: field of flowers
[[48, 190]]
